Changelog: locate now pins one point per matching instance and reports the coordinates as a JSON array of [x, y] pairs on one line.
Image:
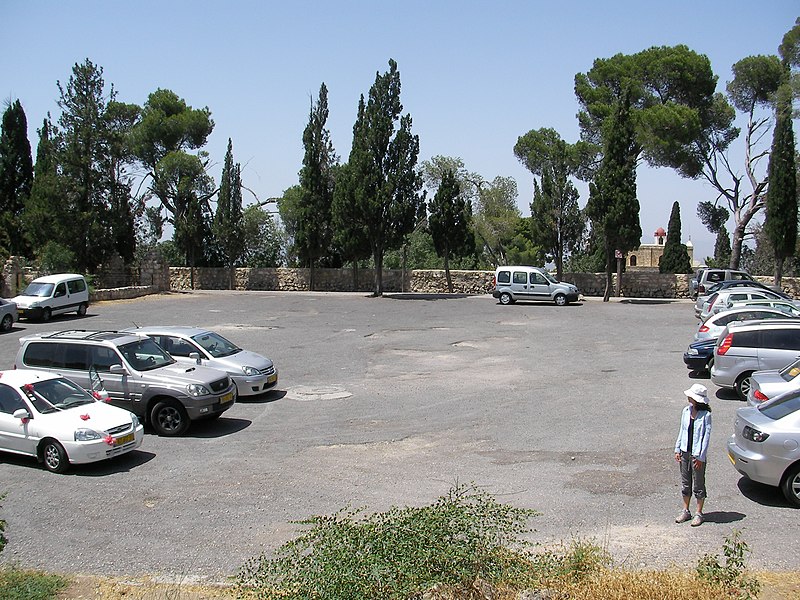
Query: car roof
[[57, 278], [748, 308], [169, 330], [766, 323], [20, 377], [117, 337]]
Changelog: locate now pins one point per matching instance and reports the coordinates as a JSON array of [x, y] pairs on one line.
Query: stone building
[[647, 255]]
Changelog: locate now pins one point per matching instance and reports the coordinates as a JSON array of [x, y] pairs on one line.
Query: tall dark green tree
[[162, 142], [676, 256], [449, 222], [228, 223], [781, 222], [613, 206], [314, 235], [349, 233], [85, 182], [16, 178], [383, 160]]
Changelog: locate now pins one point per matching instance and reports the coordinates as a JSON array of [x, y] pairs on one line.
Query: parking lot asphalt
[[571, 411]]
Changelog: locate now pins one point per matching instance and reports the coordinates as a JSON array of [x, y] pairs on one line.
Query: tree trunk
[[377, 258], [736, 245], [311, 276], [355, 275], [619, 277], [447, 272], [778, 270], [609, 278]]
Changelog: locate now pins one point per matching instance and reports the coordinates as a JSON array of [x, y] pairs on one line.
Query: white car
[[57, 422], [713, 326], [8, 314], [723, 300], [770, 383], [252, 373]]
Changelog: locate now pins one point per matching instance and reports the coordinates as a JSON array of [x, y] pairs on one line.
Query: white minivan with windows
[[53, 295], [531, 283]]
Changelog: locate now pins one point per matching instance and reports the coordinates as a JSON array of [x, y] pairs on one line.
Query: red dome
[[660, 231]]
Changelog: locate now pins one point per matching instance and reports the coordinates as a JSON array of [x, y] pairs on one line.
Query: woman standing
[[691, 448]]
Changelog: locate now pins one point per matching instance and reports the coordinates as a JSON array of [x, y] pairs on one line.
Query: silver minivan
[[252, 373], [742, 349], [531, 283]]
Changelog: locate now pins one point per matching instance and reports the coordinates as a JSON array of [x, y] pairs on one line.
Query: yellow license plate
[[226, 398], [121, 441], [272, 379]]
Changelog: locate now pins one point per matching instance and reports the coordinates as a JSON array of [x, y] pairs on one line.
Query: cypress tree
[[449, 223], [16, 178], [676, 257], [228, 224]]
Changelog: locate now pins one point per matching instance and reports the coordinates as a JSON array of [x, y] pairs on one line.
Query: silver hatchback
[[251, 372], [765, 445]]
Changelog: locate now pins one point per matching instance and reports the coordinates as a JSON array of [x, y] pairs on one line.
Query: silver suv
[[742, 349], [135, 372]]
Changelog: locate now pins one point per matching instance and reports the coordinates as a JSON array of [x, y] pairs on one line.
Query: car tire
[[743, 384], [54, 457], [82, 309], [7, 323], [46, 314], [710, 364], [169, 419], [790, 486], [560, 300], [505, 298]]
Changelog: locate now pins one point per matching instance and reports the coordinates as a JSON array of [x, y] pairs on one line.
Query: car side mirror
[[119, 369], [195, 356], [22, 415]]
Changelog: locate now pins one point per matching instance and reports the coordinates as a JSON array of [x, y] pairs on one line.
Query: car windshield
[[216, 345], [790, 371], [43, 290], [145, 355], [56, 394], [781, 406]]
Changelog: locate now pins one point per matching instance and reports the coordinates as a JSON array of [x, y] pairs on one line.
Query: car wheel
[[46, 314], [54, 457], [560, 300], [169, 418], [7, 323], [743, 385], [790, 486], [82, 310], [710, 363], [505, 298]]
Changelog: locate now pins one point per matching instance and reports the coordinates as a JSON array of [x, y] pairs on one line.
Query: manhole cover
[[306, 393]]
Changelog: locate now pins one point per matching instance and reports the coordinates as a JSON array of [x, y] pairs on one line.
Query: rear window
[[746, 339], [789, 372], [504, 277], [76, 285], [781, 407], [40, 355]]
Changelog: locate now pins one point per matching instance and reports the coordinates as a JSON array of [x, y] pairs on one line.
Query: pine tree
[[613, 206], [228, 223], [781, 223], [676, 257], [16, 178], [449, 220]]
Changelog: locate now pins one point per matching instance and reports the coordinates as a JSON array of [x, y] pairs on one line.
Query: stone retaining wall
[[122, 293]]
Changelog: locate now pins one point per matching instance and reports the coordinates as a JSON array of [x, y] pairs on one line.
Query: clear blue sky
[[475, 75]]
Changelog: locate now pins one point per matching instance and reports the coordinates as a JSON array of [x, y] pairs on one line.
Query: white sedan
[[57, 422]]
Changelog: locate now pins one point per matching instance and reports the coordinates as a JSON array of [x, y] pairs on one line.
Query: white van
[[52, 295], [531, 283]]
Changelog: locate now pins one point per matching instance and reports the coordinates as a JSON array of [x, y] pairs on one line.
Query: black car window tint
[[746, 339], [781, 408], [10, 400], [39, 355], [504, 277], [75, 357], [102, 358]]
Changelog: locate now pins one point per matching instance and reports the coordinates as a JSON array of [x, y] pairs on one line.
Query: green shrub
[[18, 584], [730, 577], [463, 536], [3, 539]]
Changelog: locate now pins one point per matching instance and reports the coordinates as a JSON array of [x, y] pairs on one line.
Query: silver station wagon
[[252, 373]]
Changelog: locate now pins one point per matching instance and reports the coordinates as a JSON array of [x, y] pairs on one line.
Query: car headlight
[[692, 352], [752, 434], [250, 371], [33, 305], [134, 420], [195, 389], [86, 435]]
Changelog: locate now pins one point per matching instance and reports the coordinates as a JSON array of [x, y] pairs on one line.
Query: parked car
[[734, 283], [771, 383], [765, 445], [713, 326], [54, 420], [706, 277], [8, 314], [251, 372], [744, 348], [724, 299], [699, 356], [531, 283], [137, 374], [52, 295], [790, 307]]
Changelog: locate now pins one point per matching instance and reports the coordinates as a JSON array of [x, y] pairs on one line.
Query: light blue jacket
[[702, 433]]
